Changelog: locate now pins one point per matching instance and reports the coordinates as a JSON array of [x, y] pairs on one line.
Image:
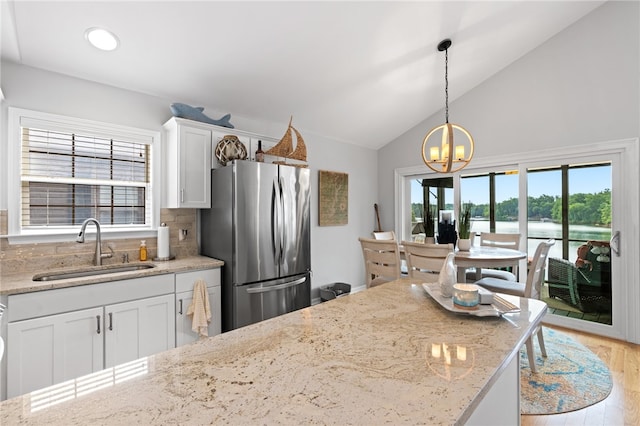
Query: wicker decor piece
[[230, 148], [285, 149]]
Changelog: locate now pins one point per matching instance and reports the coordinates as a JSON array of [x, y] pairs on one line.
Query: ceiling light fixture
[[438, 152], [101, 38]]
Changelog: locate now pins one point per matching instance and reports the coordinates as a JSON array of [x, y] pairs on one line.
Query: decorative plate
[[230, 148]]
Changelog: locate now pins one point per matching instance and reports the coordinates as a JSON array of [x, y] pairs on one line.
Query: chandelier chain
[[446, 85]]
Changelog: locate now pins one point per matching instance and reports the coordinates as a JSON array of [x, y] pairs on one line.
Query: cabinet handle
[[110, 321], [182, 195], [180, 308], [98, 321]]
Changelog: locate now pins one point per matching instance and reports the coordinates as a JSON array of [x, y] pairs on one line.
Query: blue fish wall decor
[[196, 113]]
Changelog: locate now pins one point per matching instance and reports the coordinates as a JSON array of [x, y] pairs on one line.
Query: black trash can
[[332, 291]]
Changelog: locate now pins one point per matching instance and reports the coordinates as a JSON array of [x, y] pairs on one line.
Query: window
[[71, 170], [570, 203], [494, 200]]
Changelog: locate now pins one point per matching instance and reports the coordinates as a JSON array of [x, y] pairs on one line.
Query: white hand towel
[[200, 309]]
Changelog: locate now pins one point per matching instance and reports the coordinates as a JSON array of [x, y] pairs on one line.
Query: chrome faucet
[[97, 258]]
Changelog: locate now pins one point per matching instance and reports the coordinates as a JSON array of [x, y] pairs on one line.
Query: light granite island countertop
[[389, 354]]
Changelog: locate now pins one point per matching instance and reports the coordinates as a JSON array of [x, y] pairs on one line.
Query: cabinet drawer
[[185, 280], [51, 302]]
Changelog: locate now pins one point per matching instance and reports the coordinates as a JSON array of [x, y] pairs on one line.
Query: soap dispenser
[[143, 250]]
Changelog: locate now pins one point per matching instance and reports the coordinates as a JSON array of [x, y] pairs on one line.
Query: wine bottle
[[259, 153]]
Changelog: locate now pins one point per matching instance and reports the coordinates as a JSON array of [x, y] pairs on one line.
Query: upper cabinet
[[187, 165], [191, 149]]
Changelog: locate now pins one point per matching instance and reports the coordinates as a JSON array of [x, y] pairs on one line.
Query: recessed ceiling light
[[101, 38]]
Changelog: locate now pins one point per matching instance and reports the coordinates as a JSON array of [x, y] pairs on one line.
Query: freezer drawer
[[257, 302]]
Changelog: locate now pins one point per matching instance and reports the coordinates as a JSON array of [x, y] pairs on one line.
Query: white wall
[[335, 251], [580, 87]]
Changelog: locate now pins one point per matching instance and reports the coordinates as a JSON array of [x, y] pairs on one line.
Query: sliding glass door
[[572, 204], [586, 200]]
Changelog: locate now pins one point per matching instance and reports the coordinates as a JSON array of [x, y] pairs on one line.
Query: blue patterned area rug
[[570, 378]]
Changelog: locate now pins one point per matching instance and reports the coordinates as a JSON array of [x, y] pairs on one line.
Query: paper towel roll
[[163, 242]]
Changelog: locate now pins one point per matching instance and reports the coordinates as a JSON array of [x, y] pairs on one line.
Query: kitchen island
[[389, 354]]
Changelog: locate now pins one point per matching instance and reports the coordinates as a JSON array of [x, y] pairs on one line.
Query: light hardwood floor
[[622, 406]]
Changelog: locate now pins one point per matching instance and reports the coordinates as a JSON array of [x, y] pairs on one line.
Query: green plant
[[464, 222], [428, 221]]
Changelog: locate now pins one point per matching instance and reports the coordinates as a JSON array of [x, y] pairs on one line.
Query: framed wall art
[[333, 198]]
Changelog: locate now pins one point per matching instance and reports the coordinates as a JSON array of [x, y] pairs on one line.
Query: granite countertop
[[23, 283], [367, 358]]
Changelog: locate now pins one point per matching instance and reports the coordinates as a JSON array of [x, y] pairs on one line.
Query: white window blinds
[[68, 176]]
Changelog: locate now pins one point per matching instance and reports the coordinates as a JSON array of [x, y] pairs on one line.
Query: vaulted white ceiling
[[361, 72]]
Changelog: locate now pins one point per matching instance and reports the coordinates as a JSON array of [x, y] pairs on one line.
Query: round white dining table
[[486, 257]]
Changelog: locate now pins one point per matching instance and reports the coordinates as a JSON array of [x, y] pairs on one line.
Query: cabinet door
[[184, 333], [195, 167], [44, 351], [139, 328]]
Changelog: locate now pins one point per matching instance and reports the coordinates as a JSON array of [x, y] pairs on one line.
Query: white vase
[[464, 244], [447, 276]]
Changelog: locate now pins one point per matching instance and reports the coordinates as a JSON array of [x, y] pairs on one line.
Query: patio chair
[[569, 283], [594, 267], [563, 282]]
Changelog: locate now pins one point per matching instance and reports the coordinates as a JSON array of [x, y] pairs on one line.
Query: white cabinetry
[[52, 349], [137, 329], [188, 157], [61, 334], [184, 297], [187, 164]]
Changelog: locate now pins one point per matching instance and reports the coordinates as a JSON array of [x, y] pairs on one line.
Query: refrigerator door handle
[[276, 287], [275, 222], [283, 221]]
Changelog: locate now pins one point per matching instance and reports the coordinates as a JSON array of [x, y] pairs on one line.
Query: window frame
[[18, 116]]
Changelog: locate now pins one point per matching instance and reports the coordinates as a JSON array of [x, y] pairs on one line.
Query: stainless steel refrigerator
[[259, 225]]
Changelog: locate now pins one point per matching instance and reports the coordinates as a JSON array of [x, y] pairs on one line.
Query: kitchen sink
[[90, 271]]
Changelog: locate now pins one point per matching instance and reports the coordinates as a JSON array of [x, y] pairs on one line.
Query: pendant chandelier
[[444, 155]]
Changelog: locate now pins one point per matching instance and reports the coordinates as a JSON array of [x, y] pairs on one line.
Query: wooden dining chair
[[384, 235], [381, 260], [502, 240], [424, 261], [530, 289]]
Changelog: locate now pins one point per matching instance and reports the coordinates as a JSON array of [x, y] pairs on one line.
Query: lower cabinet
[[52, 349], [137, 329], [184, 297], [62, 334], [49, 350]]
